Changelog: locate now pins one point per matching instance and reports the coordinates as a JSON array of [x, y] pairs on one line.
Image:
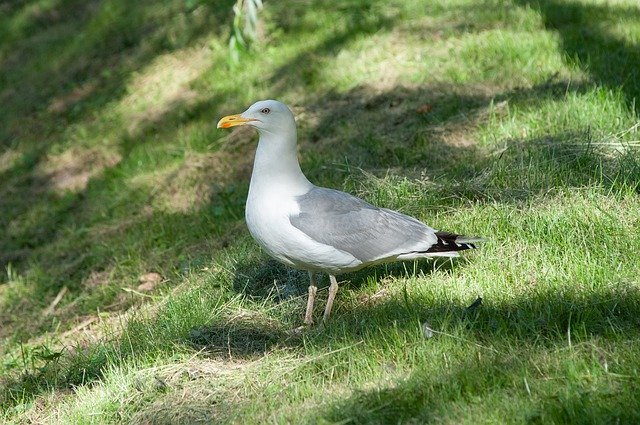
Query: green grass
[[513, 119]]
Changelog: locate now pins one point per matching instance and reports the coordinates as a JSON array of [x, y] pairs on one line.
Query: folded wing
[[352, 225]]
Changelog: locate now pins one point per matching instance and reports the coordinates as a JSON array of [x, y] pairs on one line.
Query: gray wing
[[350, 224]]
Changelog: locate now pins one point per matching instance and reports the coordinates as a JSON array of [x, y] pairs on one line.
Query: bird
[[320, 229]]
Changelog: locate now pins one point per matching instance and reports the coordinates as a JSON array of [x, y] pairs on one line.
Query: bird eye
[[265, 110]]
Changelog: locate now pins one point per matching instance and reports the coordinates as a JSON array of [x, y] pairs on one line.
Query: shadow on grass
[[90, 50], [69, 59], [438, 146], [382, 130], [589, 40], [487, 177], [267, 279], [242, 337], [379, 131], [485, 388], [48, 241], [537, 320], [457, 171], [545, 323], [99, 46], [303, 70]]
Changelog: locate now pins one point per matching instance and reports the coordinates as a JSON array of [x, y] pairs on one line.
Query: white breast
[[267, 214]]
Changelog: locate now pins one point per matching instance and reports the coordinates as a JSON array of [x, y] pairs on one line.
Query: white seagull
[[318, 229]]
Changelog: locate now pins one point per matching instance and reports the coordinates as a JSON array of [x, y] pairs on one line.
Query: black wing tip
[[451, 242]]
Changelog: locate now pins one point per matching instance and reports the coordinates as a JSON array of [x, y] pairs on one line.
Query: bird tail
[[449, 244]]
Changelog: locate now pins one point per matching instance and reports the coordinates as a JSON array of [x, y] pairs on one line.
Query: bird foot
[[298, 330]]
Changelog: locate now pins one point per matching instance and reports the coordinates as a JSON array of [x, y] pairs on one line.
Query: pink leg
[[308, 317], [333, 290]]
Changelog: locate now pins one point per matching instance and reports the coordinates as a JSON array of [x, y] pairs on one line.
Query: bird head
[[266, 115]]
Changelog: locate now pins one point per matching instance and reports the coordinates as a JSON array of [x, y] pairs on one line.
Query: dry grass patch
[[201, 178], [196, 391], [7, 159], [459, 131], [72, 169], [64, 102], [163, 86], [97, 279]]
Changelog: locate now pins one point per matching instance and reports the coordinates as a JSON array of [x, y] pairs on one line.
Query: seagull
[[319, 229]]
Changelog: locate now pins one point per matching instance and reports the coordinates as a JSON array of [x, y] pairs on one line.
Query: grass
[[513, 119]]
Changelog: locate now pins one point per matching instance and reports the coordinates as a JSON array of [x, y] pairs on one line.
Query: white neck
[[276, 168]]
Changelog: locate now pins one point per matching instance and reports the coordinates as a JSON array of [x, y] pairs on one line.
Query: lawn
[[132, 292]]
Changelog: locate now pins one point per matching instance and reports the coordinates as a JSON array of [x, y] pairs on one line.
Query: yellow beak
[[233, 120]]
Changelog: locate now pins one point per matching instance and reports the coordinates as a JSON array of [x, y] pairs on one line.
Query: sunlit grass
[[487, 118]]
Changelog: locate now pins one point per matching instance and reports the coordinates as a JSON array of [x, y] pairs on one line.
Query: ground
[[131, 291]]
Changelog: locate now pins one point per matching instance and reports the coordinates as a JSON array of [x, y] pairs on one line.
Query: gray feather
[[352, 225]]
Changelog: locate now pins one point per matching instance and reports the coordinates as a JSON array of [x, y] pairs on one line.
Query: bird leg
[[333, 289], [308, 317]]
